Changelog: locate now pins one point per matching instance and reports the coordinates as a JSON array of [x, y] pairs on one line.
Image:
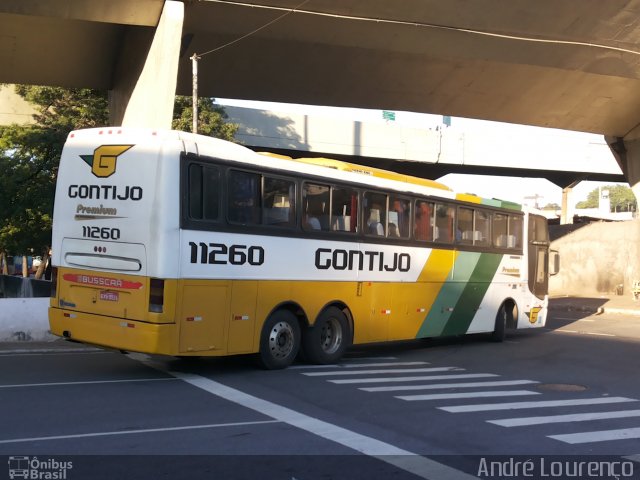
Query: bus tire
[[500, 328], [326, 341], [280, 340]]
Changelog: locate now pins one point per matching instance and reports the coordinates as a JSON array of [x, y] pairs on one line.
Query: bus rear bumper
[[119, 333]]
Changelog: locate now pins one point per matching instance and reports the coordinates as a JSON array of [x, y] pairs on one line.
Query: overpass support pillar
[[566, 214], [627, 153], [145, 87]]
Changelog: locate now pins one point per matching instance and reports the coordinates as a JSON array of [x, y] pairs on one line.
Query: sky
[[505, 144]]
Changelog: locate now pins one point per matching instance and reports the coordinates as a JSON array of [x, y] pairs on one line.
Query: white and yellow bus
[[171, 243]]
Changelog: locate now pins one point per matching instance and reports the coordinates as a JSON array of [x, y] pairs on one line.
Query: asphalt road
[[439, 409]]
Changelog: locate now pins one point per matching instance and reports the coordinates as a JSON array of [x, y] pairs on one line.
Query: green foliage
[[211, 118], [551, 206], [29, 155], [621, 197]]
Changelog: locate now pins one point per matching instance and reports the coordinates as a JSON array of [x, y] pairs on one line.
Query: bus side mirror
[[554, 262]]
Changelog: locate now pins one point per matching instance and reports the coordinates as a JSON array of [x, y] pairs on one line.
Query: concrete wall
[[596, 258]]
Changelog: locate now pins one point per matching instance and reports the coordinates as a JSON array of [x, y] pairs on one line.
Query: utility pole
[[194, 72]]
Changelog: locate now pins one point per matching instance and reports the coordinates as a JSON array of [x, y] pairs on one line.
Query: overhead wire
[[298, 9]]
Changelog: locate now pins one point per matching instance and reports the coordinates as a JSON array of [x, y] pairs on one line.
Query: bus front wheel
[[502, 320], [329, 337], [280, 340]]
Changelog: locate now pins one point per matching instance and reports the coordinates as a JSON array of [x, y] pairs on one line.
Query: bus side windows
[[375, 213], [315, 205], [204, 192], [344, 203], [278, 200], [423, 221], [507, 231], [482, 229], [399, 217], [444, 223], [243, 204]]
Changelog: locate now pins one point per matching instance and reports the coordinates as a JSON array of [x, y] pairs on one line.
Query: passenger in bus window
[[422, 230], [374, 222], [399, 217]]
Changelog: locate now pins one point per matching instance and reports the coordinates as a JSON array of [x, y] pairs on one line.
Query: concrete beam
[[144, 95]]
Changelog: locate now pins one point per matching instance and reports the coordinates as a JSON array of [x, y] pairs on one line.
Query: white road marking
[[454, 396], [541, 404], [574, 417], [134, 432], [420, 378], [87, 382], [601, 436], [436, 386], [377, 372], [357, 365], [420, 466]]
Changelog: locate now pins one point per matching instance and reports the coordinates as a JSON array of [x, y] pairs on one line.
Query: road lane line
[[487, 407], [357, 365], [437, 386], [599, 436], [134, 432], [454, 396], [420, 378], [574, 417], [87, 382], [377, 372], [413, 463]]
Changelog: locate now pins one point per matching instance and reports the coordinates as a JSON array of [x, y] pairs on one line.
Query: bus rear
[[108, 221]]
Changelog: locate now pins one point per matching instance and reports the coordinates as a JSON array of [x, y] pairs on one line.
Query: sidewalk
[[620, 304]]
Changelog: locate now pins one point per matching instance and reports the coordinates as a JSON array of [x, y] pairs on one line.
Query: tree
[[551, 206], [29, 156], [621, 198]]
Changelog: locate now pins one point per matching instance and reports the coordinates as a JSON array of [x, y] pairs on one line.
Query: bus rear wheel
[[329, 337], [280, 340]]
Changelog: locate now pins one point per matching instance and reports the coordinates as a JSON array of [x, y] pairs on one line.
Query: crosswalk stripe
[[541, 404], [574, 417], [436, 386], [452, 396], [376, 372], [412, 379], [356, 365], [599, 436]]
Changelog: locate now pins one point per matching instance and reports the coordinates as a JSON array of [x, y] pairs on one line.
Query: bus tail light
[[156, 295], [54, 282]]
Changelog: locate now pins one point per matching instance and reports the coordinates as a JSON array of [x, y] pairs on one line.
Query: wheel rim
[[331, 336], [281, 340]]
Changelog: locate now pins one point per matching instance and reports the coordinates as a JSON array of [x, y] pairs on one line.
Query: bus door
[[203, 316], [538, 256]]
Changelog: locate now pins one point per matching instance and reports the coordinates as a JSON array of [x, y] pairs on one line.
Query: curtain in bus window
[[342, 214], [445, 215], [423, 223], [244, 199], [278, 202], [315, 199]]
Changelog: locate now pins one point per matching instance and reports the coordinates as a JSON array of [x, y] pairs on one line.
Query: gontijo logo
[[104, 158]]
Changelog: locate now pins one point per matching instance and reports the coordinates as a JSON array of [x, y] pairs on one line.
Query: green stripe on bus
[[472, 295], [449, 295]]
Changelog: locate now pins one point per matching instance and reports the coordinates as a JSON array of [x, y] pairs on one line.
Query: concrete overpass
[[571, 64]]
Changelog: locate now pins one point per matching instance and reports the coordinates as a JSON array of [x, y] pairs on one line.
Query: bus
[[171, 243]]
